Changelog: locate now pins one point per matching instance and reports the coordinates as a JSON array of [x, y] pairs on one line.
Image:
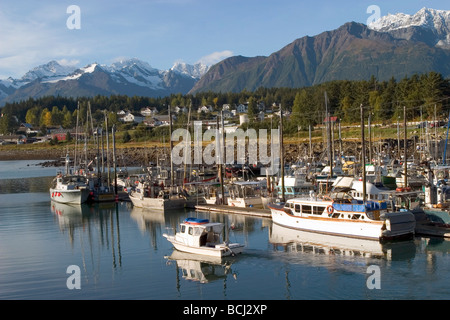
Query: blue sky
[[162, 32]]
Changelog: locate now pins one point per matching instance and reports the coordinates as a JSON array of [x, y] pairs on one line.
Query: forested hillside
[[423, 95]]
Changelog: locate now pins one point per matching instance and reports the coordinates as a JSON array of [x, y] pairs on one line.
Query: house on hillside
[[242, 108], [131, 117], [149, 111], [161, 120], [205, 109]]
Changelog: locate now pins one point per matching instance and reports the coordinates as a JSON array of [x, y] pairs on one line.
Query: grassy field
[[348, 133]]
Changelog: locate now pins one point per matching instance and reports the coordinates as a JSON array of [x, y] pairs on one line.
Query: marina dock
[[265, 213]]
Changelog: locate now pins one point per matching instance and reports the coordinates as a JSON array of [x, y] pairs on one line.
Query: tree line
[[425, 96]]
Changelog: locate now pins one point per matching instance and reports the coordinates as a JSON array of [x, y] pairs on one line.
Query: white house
[[181, 109], [205, 109], [131, 117], [149, 111]]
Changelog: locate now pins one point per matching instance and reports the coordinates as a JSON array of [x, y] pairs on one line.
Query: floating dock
[[265, 213]]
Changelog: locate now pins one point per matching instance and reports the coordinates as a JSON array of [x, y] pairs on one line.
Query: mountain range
[[127, 77], [393, 46]]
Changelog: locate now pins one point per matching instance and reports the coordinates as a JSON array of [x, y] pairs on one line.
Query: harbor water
[[118, 252]]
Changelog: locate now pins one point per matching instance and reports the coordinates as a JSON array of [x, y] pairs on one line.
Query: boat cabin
[[199, 233]]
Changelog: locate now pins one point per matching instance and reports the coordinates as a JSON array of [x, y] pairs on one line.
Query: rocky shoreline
[[143, 156]]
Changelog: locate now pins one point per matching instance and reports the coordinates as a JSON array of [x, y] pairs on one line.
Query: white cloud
[[215, 57]]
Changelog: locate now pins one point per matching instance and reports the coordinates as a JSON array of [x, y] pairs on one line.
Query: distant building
[[205, 109], [132, 118], [242, 108], [149, 111], [11, 139], [161, 120], [179, 109]]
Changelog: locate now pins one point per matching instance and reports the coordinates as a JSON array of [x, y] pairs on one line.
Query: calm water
[[122, 255]]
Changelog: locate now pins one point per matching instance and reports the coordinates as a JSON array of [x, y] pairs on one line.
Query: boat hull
[[221, 250], [157, 203], [400, 225], [76, 196], [255, 202]]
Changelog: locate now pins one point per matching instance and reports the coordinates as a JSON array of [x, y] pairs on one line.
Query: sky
[[162, 32]]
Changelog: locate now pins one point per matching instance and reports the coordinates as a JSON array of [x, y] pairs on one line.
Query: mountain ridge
[[353, 51]]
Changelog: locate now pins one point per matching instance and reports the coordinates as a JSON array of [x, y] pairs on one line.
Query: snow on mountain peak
[[51, 69], [438, 20], [195, 71], [130, 63]]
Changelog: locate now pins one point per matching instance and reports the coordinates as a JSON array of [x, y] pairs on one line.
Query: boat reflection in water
[[91, 227], [201, 268], [70, 215], [308, 242]]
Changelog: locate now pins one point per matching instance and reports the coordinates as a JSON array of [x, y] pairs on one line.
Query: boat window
[[292, 205], [197, 231], [183, 229], [307, 209], [297, 208], [286, 205], [191, 230], [318, 210]]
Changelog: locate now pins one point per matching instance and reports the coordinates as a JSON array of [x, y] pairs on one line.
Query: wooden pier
[[265, 213]]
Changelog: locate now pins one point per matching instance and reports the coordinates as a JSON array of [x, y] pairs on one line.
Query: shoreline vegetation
[[295, 147]]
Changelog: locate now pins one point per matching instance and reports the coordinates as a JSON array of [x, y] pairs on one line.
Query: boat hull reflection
[[199, 268], [302, 241]]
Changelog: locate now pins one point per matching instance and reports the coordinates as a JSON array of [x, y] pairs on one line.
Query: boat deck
[[265, 213]]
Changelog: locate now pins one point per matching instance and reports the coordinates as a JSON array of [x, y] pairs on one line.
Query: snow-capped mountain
[[131, 77], [47, 71], [195, 71], [430, 22]]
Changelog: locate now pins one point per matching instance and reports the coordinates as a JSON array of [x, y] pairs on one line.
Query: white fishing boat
[[199, 236], [341, 214], [245, 194], [69, 189], [296, 184], [148, 195]]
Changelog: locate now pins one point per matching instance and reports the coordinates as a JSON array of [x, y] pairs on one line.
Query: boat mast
[[363, 154], [405, 164], [76, 138], [171, 147], [444, 160], [281, 155], [113, 132], [329, 143]]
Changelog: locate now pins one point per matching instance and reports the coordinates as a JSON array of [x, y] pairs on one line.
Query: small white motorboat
[[200, 236]]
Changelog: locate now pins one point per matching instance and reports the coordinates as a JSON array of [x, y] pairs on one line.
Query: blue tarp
[[359, 207], [196, 220]]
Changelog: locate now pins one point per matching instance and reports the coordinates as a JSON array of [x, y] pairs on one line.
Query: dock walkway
[[265, 213]]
